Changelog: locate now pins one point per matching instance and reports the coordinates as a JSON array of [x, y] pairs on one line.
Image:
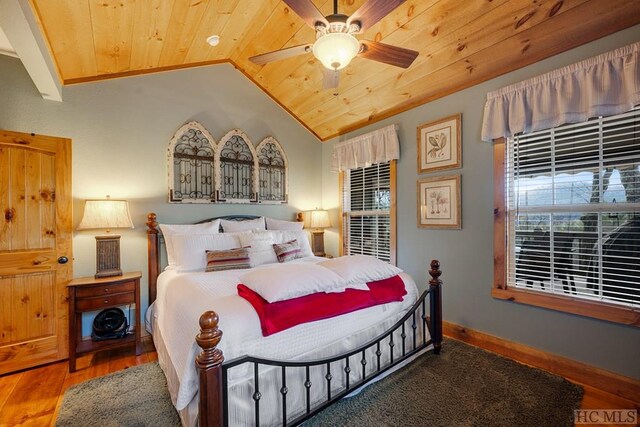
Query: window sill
[[597, 310]]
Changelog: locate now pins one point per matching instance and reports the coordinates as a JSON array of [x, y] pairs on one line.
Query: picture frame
[[440, 144], [439, 202]]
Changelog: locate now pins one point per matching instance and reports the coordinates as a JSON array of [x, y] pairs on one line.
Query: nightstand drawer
[[106, 289], [105, 301]]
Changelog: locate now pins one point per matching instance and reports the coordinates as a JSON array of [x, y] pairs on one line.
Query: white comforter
[[183, 297]]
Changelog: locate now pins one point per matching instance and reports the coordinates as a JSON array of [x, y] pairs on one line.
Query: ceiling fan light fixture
[[336, 50]]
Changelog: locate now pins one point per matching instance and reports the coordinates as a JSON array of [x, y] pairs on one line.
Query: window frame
[[595, 309], [392, 212]]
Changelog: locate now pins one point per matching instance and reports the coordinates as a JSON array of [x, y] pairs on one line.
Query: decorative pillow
[[287, 251], [190, 249], [282, 282], [260, 244], [247, 225], [361, 268], [231, 259], [276, 224], [170, 230], [301, 236]]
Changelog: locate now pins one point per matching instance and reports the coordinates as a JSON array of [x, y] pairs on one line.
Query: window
[[368, 211], [571, 225]]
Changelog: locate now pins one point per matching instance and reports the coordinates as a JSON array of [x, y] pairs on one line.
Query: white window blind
[[573, 210], [367, 211]]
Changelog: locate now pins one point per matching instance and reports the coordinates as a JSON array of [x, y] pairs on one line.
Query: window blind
[[573, 210], [367, 211]]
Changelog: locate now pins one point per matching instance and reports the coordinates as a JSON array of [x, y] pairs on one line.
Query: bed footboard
[[212, 372]]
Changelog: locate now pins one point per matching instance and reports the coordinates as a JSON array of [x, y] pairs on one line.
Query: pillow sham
[[170, 230], [282, 282], [190, 250], [287, 251], [247, 225], [276, 224], [260, 244], [300, 235], [361, 268], [230, 259]]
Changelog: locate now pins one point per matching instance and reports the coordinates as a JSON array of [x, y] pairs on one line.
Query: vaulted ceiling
[[461, 43]]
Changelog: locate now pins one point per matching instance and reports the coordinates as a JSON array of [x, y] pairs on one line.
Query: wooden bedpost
[[435, 284], [208, 364], [153, 255]]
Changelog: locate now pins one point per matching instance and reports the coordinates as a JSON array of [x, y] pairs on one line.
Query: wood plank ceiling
[[461, 43]]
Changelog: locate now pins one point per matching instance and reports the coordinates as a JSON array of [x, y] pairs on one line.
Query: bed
[[286, 377]]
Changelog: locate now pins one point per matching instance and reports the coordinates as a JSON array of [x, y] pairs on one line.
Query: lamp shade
[[317, 219], [105, 214], [336, 50]]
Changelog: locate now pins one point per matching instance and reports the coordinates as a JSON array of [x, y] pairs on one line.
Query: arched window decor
[[273, 172], [237, 168], [191, 157]]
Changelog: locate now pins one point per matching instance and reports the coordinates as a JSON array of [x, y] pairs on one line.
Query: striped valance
[[604, 85]]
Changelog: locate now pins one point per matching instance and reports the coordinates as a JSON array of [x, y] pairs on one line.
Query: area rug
[[463, 386], [133, 397]]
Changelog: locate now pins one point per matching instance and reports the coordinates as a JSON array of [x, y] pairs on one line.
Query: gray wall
[[121, 129], [467, 255]]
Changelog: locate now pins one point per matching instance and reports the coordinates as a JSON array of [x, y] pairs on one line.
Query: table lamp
[[106, 214], [317, 220]]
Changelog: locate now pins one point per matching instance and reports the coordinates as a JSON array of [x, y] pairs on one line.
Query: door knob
[[63, 260]]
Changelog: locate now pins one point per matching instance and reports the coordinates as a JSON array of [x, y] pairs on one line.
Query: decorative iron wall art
[[237, 166], [191, 157], [231, 171], [272, 172]]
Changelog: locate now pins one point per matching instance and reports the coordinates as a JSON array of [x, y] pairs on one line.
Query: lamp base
[[108, 256], [317, 243]]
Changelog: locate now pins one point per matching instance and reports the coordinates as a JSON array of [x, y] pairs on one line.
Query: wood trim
[[393, 214], [340, 209], [567, 304], [499, 216], [597, 310], [619, 385]]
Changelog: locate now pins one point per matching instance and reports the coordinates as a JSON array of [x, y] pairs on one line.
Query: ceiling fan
[[335, 44]]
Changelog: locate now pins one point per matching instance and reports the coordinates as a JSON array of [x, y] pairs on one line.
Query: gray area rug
[[133, 397], [463, 386]]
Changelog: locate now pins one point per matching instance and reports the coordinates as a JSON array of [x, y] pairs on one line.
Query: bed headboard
[[154, 244]]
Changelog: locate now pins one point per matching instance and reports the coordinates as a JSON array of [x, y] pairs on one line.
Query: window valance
[[604, 85], [375, 147]]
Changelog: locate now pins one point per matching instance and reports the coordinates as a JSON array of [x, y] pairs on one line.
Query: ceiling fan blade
[[277, 55], [392, 55], [331, 79], [373, 11], [307, 11]]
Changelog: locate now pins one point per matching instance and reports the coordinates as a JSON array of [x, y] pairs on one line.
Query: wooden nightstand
[[91, 294]]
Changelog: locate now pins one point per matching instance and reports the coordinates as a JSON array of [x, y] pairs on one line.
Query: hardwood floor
[[33, 397]]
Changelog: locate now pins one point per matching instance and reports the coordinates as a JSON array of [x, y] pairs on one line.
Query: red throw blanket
[[281, 315]]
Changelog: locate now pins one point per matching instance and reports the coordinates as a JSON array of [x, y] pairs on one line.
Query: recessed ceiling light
[[213, 40]]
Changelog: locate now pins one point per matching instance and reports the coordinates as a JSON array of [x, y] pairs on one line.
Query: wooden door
[[35, 232]]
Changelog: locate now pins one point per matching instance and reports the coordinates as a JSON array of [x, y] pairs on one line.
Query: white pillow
[[247, 225], [360, 268], [170, 230], [276, 224], [190, 250], [286, 281], [301, 236], [260, 247]]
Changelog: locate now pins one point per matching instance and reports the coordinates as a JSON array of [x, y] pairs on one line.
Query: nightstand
[[91, 294]]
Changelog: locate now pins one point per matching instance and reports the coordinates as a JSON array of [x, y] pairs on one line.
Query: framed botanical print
[[439, 202], [439, 144]]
